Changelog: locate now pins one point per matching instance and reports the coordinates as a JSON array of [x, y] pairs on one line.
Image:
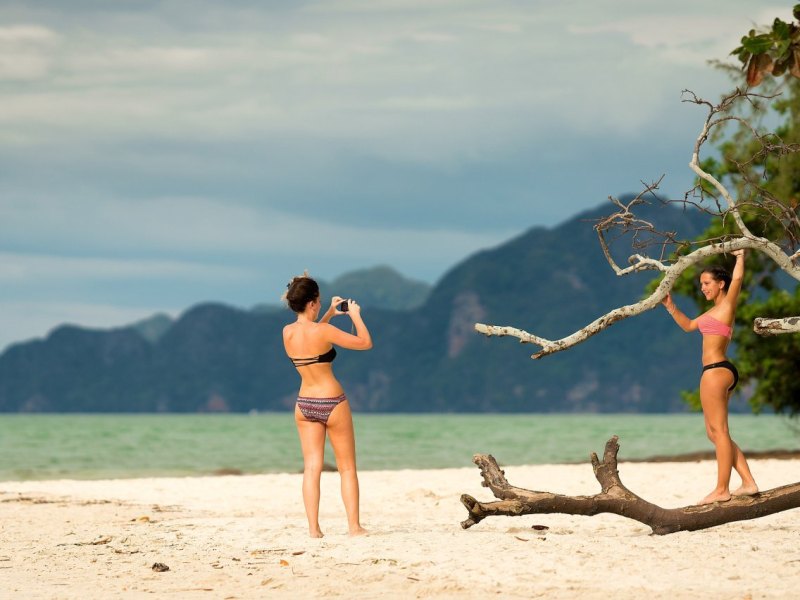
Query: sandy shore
[[245, 537]]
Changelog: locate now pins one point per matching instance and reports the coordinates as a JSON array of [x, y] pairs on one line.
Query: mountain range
[[426, 356]]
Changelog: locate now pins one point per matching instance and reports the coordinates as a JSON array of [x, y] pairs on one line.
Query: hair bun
[[301, 290]]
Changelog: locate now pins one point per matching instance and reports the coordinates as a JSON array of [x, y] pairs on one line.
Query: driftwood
[[617, 499]]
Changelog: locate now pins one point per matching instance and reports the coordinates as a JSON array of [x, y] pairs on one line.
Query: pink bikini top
[[708, 325]]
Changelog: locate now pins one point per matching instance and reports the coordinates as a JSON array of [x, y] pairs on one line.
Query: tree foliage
[[764, 173], [750, 187], [775, 51]]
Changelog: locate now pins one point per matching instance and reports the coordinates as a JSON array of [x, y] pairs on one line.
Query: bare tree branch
[[770, 145], [764, 326], [645, 234], [671, 274], [626, 221], [615, 498], [724, 106]]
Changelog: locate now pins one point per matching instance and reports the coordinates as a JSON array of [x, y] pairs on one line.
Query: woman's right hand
[[353, 307], [360, 340], [667, 301]]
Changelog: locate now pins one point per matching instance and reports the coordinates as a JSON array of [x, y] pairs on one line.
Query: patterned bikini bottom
[[318, 409]]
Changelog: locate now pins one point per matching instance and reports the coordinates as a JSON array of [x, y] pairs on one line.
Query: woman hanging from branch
[[719, 375]]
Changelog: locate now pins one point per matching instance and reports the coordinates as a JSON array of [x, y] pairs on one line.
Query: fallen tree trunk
[[617, 499]]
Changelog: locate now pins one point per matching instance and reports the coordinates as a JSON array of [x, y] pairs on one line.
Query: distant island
[[427, 357], [376, 287]]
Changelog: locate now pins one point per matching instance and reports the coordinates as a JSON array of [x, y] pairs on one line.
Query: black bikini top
[[322, 358]]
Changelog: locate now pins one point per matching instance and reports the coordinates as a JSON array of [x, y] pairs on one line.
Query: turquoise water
[[119, 446]]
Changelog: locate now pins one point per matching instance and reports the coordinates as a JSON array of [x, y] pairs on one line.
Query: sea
[[105, 446]]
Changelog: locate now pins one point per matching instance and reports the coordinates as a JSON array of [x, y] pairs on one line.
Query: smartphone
[[342, 306]]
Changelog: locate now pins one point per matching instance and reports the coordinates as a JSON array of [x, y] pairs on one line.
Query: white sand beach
[[245, 537]]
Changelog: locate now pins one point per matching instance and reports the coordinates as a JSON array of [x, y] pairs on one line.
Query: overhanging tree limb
[[671, 274], [626, 220]]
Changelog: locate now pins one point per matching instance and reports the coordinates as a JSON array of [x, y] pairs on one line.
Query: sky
[[157, 154]]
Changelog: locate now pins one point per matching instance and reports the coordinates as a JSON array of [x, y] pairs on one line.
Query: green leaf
[[742, 54], [781, 48], [780, 29], [758, 44], [796, 11]]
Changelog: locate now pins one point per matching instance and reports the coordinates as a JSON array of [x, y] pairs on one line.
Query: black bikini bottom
[[725, 364]]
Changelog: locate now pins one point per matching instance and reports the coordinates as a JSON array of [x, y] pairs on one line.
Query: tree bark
[[764, 326], [615, 498]]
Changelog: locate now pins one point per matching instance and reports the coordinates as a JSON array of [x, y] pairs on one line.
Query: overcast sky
[[156, 154]]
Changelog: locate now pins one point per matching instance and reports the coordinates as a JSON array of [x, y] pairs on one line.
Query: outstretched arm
[[681, 319]]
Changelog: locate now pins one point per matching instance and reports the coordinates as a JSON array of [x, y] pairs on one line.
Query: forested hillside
[[549, 281]]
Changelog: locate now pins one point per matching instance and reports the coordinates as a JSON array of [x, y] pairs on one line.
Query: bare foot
[[359, 531], [715, 496], [315, 533], [745, 490]]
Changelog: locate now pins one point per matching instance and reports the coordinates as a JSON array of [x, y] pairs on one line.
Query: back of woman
[[307, 341], [322, 408]]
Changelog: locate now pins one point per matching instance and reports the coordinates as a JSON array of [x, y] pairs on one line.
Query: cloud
[[685, 37], [380, 82], [25, 52], [22, 269], [137, 62], [429, 103], [25, 35], [171, 151], [201, 227]]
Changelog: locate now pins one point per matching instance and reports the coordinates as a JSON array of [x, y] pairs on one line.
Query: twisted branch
[[615, 498], [671, 274], [645, 234]]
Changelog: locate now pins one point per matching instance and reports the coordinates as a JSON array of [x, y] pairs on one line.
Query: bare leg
[[714, 398], [312, 441], [343, 441], [748, 487]]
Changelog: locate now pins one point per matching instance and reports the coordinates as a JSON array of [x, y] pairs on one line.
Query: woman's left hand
[[738, 253], [335, 302]]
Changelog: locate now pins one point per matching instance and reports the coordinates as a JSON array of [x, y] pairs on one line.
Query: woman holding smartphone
[[322, 408]]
